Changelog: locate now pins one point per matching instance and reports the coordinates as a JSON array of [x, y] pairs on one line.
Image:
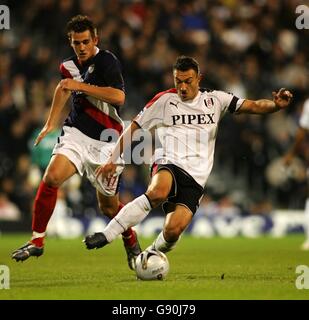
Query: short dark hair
[[184, 63], [79, 24]]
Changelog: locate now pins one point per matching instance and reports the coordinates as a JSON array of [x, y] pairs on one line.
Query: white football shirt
[[304, 118], [187, 130]]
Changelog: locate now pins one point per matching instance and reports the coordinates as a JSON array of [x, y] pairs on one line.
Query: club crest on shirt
[[91, 68], [209, 102]]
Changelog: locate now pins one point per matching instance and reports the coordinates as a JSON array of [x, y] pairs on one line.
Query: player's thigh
[[178, 220], [108, 204], [60, 169], [160, 185]]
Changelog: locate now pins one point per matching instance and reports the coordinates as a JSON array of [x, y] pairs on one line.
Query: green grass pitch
[[200, 269]]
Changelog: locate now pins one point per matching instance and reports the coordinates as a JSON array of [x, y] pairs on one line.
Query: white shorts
[[87, 154]]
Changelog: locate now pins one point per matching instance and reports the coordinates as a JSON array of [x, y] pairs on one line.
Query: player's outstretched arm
[[108, 169], [281, 100], [108, 94], [60, 98]]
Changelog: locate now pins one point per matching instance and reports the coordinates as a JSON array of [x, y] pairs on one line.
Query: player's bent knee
[[156, 196], [52, 179]]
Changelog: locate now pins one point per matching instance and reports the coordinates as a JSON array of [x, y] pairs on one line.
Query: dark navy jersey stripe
[[86, 125]]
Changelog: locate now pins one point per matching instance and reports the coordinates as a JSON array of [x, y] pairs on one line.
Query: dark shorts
[[185, 190]]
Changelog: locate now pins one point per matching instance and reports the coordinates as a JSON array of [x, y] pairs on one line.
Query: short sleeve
[[152, 114], [112, 71], [228, 101], [64, 73]]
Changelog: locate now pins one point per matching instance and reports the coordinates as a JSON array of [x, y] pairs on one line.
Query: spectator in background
[[41, 154], [270, 55], [8, 210], [131, 182]]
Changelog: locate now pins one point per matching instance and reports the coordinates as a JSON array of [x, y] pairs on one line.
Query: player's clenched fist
[[282, 98]]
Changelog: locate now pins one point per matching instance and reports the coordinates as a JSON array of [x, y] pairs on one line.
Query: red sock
[[38, 242], [44, 205], [129, 237]]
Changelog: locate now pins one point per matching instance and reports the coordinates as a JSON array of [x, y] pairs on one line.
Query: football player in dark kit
[[93, 78]]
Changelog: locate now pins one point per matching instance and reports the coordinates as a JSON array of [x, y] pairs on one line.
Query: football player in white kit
[[299, 138], [187, 119]]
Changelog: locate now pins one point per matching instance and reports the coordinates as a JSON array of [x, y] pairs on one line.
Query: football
[[151, 265]]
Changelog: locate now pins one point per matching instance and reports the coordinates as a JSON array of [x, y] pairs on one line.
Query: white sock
[[306, 224], [160, 244], [130, 215], [36, 235]]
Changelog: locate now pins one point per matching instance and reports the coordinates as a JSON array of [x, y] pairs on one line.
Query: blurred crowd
[[249, 48]]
